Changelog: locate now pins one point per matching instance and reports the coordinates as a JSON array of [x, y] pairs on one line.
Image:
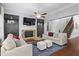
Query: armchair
[[61, 39]]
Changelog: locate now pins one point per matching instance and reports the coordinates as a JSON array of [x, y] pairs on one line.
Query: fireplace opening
[[28, 33]]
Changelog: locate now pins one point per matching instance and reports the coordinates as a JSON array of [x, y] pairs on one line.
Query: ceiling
[[54, 10]]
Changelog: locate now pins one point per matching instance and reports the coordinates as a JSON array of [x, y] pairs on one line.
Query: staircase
[[69, 27]]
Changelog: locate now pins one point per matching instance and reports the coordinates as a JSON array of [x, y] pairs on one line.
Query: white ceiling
[[54, 10]]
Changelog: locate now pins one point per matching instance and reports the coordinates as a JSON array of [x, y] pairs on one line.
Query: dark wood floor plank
[[72, 48]]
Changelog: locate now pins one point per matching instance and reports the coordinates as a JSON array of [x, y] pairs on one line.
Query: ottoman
[[48, 43], [41, 45]]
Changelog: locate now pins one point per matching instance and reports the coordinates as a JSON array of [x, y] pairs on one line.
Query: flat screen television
[[28, 21]]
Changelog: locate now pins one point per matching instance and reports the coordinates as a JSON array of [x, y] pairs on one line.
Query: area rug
[[48, 51]]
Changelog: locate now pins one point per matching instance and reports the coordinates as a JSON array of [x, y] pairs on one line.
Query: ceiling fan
[[38, 14]]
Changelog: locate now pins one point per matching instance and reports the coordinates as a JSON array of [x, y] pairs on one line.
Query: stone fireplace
[[28, 33]]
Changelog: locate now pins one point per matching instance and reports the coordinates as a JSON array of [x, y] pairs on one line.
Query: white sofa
[[61, 39], [24, 49]]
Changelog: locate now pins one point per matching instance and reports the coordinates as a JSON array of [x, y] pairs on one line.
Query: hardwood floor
[[72, 48]]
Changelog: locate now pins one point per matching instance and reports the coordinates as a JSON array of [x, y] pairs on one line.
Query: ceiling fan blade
[[44, 14]]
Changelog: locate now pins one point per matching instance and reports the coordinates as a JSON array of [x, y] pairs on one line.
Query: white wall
[[2, 24], [56, 25], [53, 25], [76, 20], [75, 32], [62, 23], [45, 27]]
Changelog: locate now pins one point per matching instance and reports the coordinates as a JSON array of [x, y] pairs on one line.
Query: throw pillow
[[16, 37], [50, 34]]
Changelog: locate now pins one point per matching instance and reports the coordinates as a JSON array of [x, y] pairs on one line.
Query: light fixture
[[38, 16], [10, 21]]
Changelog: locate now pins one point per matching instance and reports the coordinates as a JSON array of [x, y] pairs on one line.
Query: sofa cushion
[[55, 35], [19, 42], [8, 44]]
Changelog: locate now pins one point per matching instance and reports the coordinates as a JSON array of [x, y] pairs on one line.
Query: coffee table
[[34, 40]]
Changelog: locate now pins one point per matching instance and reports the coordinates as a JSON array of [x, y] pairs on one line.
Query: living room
[[37, 29]]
